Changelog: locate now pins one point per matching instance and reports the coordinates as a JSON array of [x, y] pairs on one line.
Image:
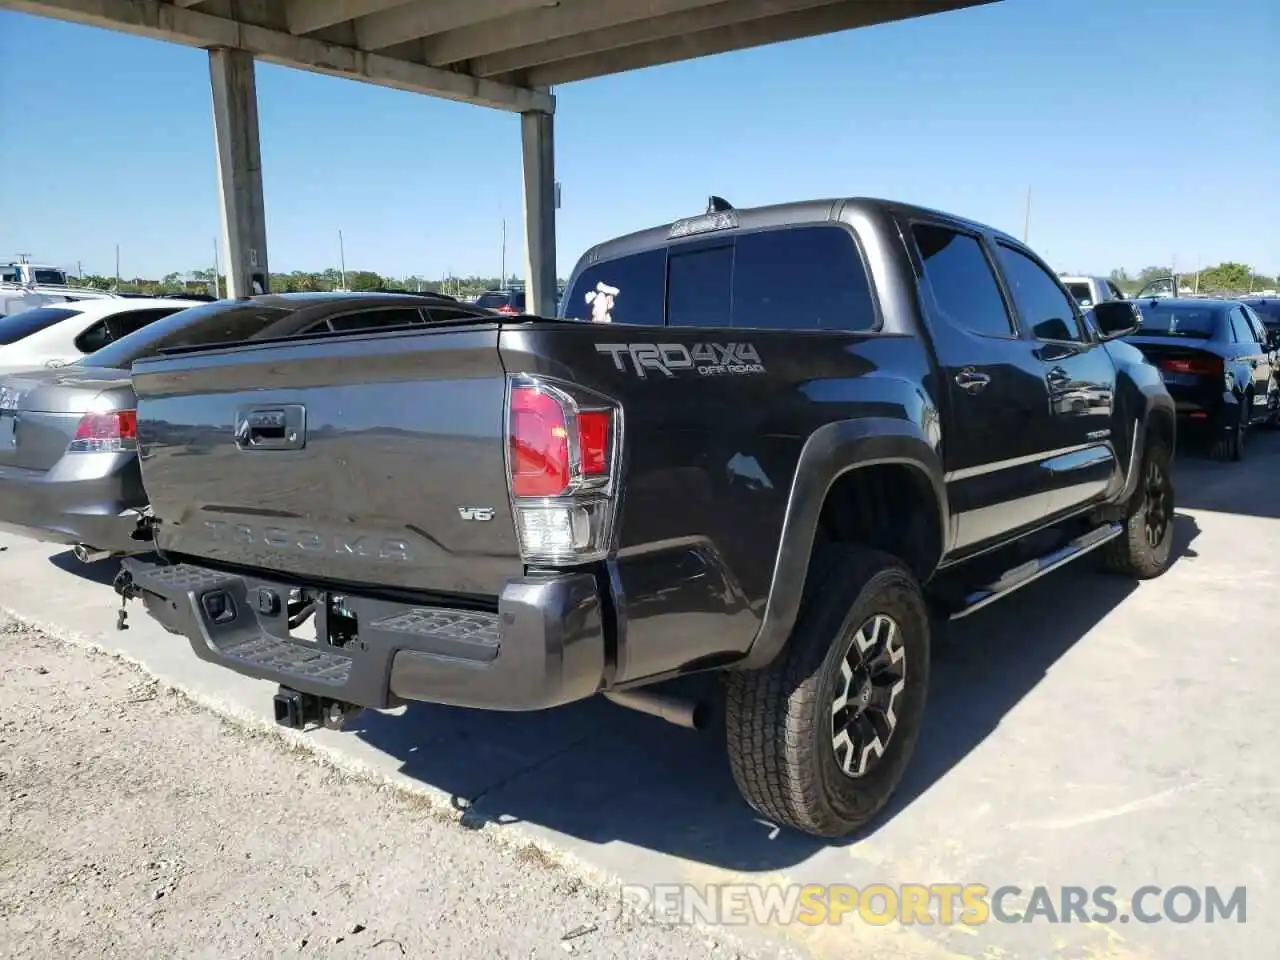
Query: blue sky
[[108, 139]]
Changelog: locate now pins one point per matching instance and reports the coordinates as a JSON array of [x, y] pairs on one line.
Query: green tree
[[1226, 277], [364, 280]]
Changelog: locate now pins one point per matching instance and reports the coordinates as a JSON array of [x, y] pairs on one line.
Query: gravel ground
[[135, 823]]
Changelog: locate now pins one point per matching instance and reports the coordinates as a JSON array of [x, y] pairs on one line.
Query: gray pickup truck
[[774, 443]]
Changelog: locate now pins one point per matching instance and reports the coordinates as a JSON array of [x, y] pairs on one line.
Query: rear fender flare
[[830, 452]]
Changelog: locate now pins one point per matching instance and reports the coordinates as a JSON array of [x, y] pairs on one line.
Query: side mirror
[[1116, 318]]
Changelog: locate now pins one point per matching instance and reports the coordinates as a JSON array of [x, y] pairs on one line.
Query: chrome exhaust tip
[[682, 711], [87, 554]]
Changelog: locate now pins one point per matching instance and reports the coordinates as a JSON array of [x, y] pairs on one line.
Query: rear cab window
[[803, 277]]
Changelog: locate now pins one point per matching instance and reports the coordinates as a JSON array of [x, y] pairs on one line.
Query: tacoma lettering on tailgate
[[310, 541]]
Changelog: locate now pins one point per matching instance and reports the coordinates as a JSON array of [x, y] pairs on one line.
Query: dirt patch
[[134, 822]]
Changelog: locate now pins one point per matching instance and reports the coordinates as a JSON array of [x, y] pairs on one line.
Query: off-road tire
[[1131, 554], [1228, 446], [779, 718]]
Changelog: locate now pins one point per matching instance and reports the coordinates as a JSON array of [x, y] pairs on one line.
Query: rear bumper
[[62, 506], [1207, 410], [543, 647]]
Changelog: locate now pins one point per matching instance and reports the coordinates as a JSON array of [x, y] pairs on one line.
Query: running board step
[[1032, 570]]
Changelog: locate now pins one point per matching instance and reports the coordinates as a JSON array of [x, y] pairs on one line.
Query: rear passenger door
[[1080, 461], [997, 407]]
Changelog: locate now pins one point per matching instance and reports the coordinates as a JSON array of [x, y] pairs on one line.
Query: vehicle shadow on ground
[[605, 775], [1244, 488], [102, 571]]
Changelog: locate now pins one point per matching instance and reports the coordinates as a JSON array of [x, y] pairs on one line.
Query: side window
[[377, 319], [1238, 329], [960, 277], [448, 314], [1255, 325], [1115, 292], [95, 338], [1041, 303], [629, 289], [805, 278], [698, 286], [122, 324]]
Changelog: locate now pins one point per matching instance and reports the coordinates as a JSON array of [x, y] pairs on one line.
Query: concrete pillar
[[537, 136], [235, 126]]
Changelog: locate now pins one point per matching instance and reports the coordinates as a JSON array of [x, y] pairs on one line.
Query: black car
[[1218, 364], [68, 436], [507, 302]]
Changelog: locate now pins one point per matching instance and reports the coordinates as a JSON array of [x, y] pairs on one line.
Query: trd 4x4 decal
[[708, 359]]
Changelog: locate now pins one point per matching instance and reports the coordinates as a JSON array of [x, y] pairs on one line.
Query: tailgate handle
[[272, 428]]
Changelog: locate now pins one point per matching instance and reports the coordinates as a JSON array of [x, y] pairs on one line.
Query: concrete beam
[[831, 18], [426, 17], [537, 139], [307, 16], [539, 26], [638, 31], [235, 124], [164, 21]]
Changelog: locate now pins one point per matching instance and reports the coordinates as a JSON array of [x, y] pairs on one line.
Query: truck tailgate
[[352, 460]]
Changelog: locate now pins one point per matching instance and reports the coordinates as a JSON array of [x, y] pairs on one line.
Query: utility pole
[[217, 270], [502, 281], [79, 270], [117, 267], [342, 261], [1026, 222]]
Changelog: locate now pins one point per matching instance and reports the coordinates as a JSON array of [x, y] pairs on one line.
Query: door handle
[[971, 381], [271, 428]]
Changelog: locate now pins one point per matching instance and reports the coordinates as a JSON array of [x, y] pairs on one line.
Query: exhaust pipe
[[683, 712], [87, 554]]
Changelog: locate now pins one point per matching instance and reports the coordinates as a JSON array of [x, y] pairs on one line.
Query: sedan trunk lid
[[41, 409]]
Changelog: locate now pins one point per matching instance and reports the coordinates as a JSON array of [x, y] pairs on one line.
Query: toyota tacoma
[[777, 443]]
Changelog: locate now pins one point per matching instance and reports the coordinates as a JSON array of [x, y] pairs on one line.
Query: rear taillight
[[114, 432], [562, 446], [1201, 366]]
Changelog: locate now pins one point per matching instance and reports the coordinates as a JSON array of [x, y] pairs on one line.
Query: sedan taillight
[[115, 432]]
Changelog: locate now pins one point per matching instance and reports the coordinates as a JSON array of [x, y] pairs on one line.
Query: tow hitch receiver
[[298, 710]]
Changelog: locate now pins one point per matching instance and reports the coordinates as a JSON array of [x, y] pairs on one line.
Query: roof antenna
[[718, 204]]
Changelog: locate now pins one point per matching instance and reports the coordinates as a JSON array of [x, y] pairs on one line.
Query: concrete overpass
[[503, 54]]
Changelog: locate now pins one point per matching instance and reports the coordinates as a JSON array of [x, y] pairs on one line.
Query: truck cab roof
[[764, 217]]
